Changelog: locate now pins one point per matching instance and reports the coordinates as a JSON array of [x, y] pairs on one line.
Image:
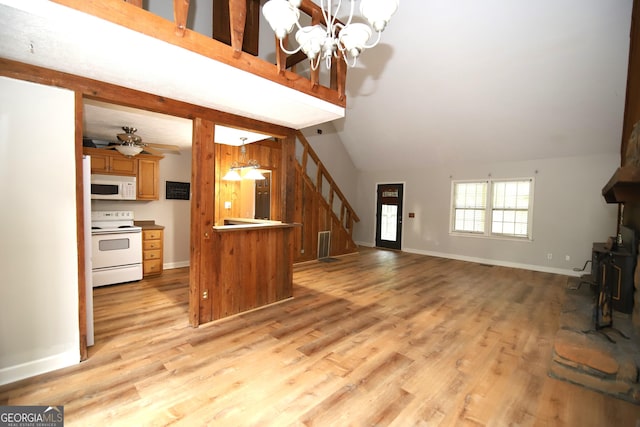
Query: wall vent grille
[[324, 243]]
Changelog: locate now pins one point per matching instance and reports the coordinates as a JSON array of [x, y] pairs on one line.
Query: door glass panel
[[389, 221]]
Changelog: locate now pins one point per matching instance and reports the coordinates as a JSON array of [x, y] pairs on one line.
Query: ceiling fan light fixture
[[129, 150]]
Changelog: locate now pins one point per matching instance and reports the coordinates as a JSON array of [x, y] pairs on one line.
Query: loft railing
[[130, 14]]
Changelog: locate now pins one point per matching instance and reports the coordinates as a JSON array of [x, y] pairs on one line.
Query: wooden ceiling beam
[[114, 94]]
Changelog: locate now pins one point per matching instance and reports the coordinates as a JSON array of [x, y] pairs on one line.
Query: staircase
[[320, 207]]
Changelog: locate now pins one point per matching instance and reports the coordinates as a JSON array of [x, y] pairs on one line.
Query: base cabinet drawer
[[149, 245], [152, 254], [150, 267], [152, 234]]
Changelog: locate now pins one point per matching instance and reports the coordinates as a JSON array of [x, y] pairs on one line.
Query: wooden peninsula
[[254, 265]]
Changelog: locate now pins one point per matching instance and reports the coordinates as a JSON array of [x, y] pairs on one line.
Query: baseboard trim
[[499, 263], [171, 265], [19, 372]]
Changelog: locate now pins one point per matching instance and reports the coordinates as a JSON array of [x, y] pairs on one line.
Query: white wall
[[39, 329], [569, 212], [174, 215]]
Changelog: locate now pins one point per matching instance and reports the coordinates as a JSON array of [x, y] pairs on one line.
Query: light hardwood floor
[[378, 338]]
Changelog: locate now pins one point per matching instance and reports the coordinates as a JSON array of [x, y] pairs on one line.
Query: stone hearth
[[604, 360]]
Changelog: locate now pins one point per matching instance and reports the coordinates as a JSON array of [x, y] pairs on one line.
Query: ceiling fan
[[132, 145]]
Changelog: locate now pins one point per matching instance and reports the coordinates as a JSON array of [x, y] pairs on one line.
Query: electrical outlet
[[227, 205], [549, 256], [567, 258]]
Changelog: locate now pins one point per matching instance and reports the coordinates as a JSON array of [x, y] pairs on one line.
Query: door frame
[[375, 208]]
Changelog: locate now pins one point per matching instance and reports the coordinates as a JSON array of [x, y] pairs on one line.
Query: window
[[470, 204], [492, 208]]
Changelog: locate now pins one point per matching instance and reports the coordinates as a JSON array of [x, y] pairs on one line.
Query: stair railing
[[325, 185]]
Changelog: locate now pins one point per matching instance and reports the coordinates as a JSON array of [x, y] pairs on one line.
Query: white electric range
[[116, 250]]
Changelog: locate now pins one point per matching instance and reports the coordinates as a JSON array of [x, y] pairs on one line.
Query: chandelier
[[251, 165], [334, 39]]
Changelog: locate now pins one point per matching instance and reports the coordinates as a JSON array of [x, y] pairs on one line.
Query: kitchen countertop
[[235, 224], [148, 225]]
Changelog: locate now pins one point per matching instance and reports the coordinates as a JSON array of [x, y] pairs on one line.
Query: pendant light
[[251, 165], [332, 38]]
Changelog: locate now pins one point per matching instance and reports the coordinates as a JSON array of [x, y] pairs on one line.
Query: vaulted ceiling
[[491, 80], [466, 81]]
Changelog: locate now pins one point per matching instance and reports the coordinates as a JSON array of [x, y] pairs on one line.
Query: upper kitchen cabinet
[[148, 171], [145, 167], [111, 162]]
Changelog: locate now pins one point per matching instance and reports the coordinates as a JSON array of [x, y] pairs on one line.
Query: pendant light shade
[[281, 15], [254, 174], [232, 175], [378, 12], [354, 38]]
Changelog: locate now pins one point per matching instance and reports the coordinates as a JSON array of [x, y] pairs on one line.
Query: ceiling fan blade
[[152, 151], [165, 147]]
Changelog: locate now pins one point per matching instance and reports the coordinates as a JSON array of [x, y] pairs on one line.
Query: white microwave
[[113, 187]]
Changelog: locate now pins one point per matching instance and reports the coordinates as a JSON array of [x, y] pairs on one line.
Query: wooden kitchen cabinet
[[111, 163], [148, 171], [152, 250], [145, 167]]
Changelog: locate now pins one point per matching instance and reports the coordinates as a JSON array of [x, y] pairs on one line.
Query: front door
[[389, 216]]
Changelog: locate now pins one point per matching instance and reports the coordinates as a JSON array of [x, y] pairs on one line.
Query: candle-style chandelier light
[[334, 39]]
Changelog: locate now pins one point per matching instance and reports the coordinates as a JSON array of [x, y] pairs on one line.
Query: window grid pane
[[510, 209], [470, 200]]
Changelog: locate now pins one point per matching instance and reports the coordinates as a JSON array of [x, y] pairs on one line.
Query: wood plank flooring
[[379, 338]]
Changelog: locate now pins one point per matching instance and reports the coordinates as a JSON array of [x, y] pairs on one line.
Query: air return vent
[[324, 242]]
